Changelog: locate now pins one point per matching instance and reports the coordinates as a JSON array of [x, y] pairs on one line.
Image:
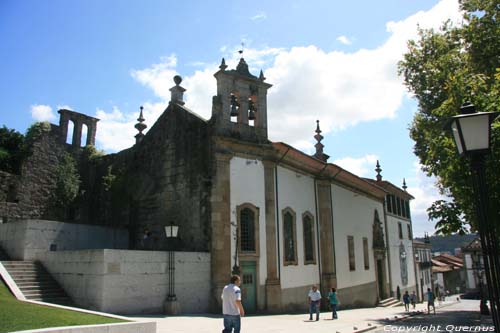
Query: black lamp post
[[471, 131], [171, 306]]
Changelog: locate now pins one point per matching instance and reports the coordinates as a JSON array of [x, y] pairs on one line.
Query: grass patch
[[17, 316]]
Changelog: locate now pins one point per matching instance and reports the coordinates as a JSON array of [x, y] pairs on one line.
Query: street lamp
[[471, 132], [171, 305]]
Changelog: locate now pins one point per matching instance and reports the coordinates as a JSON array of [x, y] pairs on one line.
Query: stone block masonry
[[131, 282]]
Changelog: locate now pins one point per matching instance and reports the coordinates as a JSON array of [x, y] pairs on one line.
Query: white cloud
[[65, 107], [159, 76], [259, 16], [344, 40], [41, 112], [338, 88], [361, 166]]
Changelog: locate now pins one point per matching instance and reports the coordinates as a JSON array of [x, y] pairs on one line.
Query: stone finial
[[427, 240], [223, 65], [177, 91], [378, 170], [261, 76], [404, 184], [242, 68], [319, 146], [140, 126]]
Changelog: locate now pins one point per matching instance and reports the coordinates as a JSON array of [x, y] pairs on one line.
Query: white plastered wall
[[296, 191], [247, 186], [353, 215], [393, 246]]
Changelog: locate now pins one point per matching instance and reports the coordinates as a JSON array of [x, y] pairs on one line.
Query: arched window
[[289, 237], [247, 231], [85, 133], [308, 230]]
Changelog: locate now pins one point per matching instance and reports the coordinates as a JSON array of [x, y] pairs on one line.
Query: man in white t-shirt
[[232, 309], [314, 302]]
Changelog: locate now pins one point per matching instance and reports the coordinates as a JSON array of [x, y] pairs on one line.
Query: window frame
[[313, 242], [351, 251], [294, 236], [400, 230], [255, 211], [366, 254]]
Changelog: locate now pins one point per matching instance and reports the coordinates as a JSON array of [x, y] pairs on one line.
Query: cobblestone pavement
[[356, 320], [458, 317]]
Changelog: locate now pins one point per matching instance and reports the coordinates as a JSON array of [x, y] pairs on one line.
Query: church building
[[282, 219]]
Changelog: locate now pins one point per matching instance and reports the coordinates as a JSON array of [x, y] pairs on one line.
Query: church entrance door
[[380, 279], [249, 286]]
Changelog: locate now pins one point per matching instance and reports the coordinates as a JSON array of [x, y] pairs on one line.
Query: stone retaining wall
[[131, 282], [30, 239]]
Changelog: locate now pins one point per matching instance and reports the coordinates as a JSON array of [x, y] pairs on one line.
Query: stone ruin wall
[[29, 195]]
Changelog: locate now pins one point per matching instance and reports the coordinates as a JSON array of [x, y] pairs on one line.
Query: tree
[[11, 150], [444, 69]]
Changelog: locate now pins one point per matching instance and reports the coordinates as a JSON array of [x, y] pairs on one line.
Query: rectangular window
[[409, 232], [350, 249], [365, 253], [407, 204], [308, 230], [389, 203], [400, 230], [403, 208], [393, 203], [398, 205]]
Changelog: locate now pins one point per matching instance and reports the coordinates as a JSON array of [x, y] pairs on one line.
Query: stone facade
[[191, 172]]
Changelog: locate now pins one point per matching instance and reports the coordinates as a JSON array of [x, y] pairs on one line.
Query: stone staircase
[[389, 303], [36, 283]]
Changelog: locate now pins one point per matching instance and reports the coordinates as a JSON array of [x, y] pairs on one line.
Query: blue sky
[[329, 60]]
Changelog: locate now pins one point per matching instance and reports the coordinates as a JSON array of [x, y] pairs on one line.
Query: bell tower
[[240, 108]]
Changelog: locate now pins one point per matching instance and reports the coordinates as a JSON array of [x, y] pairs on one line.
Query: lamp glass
[[475, 131], [456, 136], [171, 231]]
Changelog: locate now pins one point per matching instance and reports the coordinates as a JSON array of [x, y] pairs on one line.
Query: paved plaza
[[356, 320]]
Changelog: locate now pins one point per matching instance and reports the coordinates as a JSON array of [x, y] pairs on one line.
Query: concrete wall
[[29, 239], [131, 282], [296, 191]]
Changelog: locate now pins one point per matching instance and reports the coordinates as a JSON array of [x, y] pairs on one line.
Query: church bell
[[234, 104]]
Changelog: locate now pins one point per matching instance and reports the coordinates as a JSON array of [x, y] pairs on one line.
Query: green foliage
[[16, 315], [11, 150], [67, 181], [109, 179], [36, 130], [444, 69], [91, 153]]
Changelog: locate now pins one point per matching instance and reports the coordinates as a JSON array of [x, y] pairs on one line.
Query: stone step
[[389, 302], [34, 289], [44, 294], [36, 283], [16, 276], [19, 262]]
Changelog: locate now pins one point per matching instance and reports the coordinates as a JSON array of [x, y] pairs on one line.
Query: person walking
[[430, 301], [332, 296], [314, 302], [406, 301], [232, 309], [413, 299]]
